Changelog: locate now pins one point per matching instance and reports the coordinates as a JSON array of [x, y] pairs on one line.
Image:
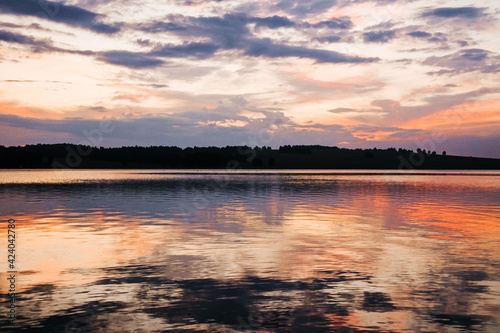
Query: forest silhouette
[[73, 156]]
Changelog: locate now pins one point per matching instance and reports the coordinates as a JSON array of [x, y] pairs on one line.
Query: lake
[[241, 251]]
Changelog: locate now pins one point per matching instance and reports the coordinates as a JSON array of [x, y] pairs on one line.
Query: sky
[[346, 73]]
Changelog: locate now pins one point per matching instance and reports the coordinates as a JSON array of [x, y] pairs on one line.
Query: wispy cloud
[[265, 47], [58, 12], [451, 12], [273, 22], [231, 32], [379, 36], [469, 60], [195, 50], [419, 34], [130, 59], [301, 8], [38, 45], [11, 37], [335, 23]]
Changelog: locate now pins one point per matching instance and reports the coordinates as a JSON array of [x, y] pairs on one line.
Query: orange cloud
[[374, 136], [476, 118], [13, 108]]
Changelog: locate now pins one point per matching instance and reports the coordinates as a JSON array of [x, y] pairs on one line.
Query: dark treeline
[[232, 157]]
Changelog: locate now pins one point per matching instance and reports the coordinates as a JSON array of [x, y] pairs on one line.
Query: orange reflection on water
[[383, 249], [63, 251]]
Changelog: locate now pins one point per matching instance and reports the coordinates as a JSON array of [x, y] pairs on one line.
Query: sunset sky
[[347, 73]]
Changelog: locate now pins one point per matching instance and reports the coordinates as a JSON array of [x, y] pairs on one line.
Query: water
[[267, 251]]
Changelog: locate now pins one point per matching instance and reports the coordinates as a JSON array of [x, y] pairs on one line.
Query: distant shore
[[70, 156]]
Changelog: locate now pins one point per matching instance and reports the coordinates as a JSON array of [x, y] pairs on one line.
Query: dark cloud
[[305, 7], [144, 42], [197, 2], [9, 25], [231, 32], [438, 37], [379, 36], [184, 129], [36, 44], [273, 22], [153, 85], [227, 31], [451, 12], [58, 12], [342, 110], [46, 124], [135, 60], [335, 23], [196, 50], [100, 109], [474, 54], [329, 39], [265, 47], [378, 2], [197, 128], [156, 27], [10, 37], [463, 61], [419, 34]]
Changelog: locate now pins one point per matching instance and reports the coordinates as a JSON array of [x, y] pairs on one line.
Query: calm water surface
[[267, 251]]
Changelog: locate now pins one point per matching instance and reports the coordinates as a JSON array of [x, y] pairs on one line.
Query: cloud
[[36, 81], [10, 37], [38, 45], [452, 12], [58, 12], [220, 127], [302, 8], [391, 112], [99, 109], [265, 47], [329, 39], [273, 22], [419, 34], [474, 54], [196, 50], [231, 32], [335, 23], [396, 112], [157, 27], [9, 25], [227, 31], [342, 110], [136, 60], [378, 2], [224, 125], [438, 37], [379, 36], [469, 60]]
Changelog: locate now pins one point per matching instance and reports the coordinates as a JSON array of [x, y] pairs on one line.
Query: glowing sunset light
[[198, 73]]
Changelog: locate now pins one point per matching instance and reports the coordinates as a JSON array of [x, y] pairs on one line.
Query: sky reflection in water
[[135, 250]]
